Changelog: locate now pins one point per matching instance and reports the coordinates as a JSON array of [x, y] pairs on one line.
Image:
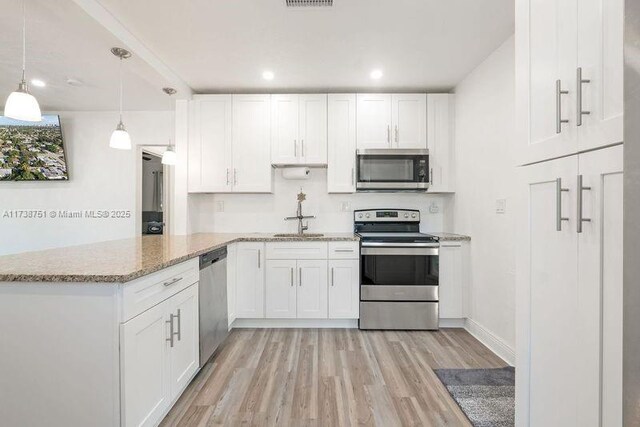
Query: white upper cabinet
[[341, 172], [299, 129], [210, 154], [408, 116], [557, 41], [441, 141], [392, 121], [600, 59], [374, 120], [251, 144]]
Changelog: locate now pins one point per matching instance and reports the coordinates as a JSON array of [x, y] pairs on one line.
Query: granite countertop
[[119, 261], [451, 237]]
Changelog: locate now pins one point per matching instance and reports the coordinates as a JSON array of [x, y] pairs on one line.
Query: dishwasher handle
[[212, 257]]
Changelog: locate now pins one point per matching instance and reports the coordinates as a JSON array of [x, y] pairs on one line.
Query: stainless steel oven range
[[398, 271]]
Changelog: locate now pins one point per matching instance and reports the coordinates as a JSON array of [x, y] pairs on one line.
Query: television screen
[[32, 151]]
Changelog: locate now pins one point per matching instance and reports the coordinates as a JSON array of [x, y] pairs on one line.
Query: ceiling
[[225, 45], [62, 42]]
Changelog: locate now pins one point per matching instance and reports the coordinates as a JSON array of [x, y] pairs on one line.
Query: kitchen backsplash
[[266, 212]]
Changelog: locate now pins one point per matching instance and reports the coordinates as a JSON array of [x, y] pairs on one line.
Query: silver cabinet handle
[[295, 148], [171, 333], [172, 281], [302, 148], [581, 219], [389, 135], [343, 250], [300, 276], [235, 176], [259, 256], [559, 119], [227, 176], [179, 326], [291, 276], [559, 217], [580, 112], [397, 137], [332, 281]]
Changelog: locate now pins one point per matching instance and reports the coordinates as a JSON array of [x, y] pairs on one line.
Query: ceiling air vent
[[309, 3]]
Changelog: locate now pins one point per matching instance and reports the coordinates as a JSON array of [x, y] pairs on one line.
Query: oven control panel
[[386, 215]]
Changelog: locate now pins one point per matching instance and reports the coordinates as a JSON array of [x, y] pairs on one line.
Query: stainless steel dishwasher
[[214, 326]]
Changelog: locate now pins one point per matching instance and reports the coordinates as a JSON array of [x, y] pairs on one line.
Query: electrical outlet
[[501, 206], [345, 206], [220, 206], [434, 208]]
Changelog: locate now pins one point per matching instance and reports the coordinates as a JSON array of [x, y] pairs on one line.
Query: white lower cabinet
[[452, 278], [311, 296], [159, 356], [250, 280], [231, 282], [281, 289], [569, 292], [344, 288]]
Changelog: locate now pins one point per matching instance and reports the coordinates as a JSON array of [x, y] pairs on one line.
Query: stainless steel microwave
[[387, 170]]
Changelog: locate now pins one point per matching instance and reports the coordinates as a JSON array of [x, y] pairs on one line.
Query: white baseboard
[[295, 323], [492, 342], [451, 323]]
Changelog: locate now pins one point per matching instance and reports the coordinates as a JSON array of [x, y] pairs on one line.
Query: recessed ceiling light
[[376, 74], [268, 75], [38, 83]]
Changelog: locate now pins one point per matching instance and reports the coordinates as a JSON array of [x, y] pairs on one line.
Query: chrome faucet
[[301, 228]]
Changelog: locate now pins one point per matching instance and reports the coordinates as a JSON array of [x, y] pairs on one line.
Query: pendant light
[[120, 138], [169, 156], [21, 105]]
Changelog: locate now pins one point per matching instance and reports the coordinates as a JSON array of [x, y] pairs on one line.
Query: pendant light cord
[[120, 89], [24, 38]]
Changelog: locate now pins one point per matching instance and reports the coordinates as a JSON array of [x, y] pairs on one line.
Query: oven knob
[[359, 215], [413, 215], [406, 215], [367, 215]]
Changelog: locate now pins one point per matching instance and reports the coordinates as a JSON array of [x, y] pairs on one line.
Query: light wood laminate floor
[[330, 377]]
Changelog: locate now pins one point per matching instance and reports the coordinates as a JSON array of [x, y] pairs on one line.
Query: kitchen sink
[[307, 235]]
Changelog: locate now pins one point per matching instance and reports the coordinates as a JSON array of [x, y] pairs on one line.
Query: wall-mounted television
[[32, 151]]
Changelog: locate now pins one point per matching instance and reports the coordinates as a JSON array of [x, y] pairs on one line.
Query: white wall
[[100, 178], [265, 212], [485, 134]]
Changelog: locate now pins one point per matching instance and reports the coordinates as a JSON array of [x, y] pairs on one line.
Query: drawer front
[[398, 293], [297, 250], [344, 250], [143, 293], [399, 315]]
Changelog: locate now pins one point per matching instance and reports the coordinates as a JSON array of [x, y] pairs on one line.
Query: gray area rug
[[486, 396]]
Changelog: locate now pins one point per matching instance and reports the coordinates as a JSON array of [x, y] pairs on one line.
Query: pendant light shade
[[169, 156], [21, 105], [120, 138]]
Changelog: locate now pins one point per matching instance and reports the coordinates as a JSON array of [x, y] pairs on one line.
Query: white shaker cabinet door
[[374, 121], [312, 289], [285, 143], [280, 293], [409, 119], [341, 169], [547, 295], [546, 46], [600, 62], [252, 144], [184, 349], [209, 155], [313, 129], [441, 141], [451, 280], [344, 289], [145, 368], [249, 280]]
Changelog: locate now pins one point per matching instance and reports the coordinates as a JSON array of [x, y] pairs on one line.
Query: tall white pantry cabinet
[[569, 262]]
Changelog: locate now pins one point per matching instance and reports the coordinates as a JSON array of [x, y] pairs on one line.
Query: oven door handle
[[404, 250]]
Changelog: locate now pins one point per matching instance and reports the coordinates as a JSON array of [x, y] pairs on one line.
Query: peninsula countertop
[[119, 261]]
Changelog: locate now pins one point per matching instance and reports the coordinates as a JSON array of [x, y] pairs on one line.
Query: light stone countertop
[[120, 261], [450, 237]]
